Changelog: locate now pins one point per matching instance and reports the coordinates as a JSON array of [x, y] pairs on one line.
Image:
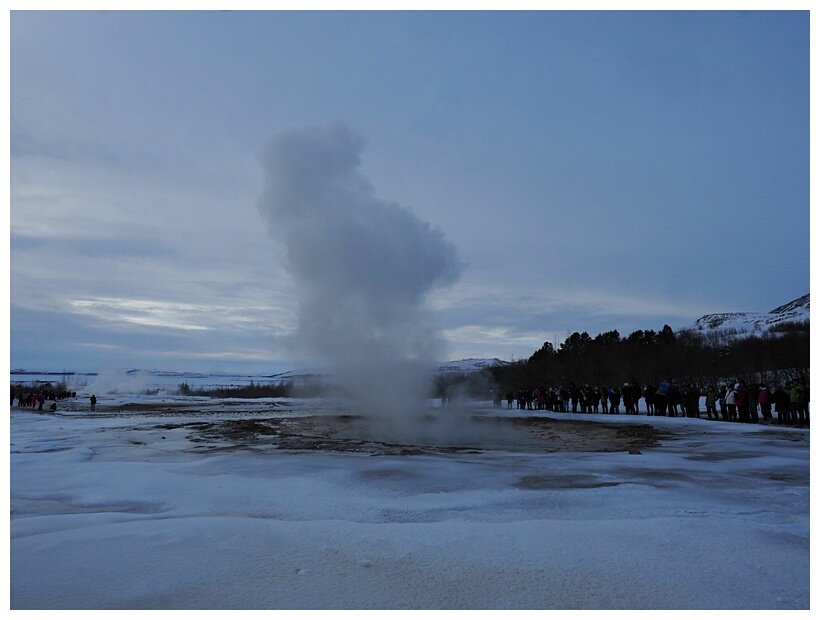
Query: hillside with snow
[[753, 323], [469, 365]]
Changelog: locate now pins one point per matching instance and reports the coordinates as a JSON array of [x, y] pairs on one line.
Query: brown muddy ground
[[348, 433], [246, 425]]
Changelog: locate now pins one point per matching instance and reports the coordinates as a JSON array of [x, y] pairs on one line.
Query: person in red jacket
[[764, 399], [742, 403]]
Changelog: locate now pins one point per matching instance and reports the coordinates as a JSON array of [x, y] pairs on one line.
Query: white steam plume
[[363, 265]]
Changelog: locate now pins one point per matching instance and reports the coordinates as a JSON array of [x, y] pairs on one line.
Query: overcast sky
[[592, 171]]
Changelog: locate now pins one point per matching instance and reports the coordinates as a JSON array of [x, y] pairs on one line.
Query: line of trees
[[310, 388], [775, 356]]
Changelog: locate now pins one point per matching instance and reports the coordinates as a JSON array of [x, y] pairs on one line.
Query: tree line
[[310, 388], [716, 357]]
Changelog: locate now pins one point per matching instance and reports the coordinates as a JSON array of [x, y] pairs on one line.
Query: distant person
[[764, 399], [797, 404], [626, 394], [752, 394], [41, 399], [731, 406], [93, 402], [691, 401], [660, 400], [782, 405], [649, 399], [673, 400], [804, 402], [565, 397], [539, 399], [711, 402], [742, 403], [724, 412], [614, 401], [584, 398]]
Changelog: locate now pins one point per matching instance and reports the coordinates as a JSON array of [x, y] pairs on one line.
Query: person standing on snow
[[782, 405], [764, 399], [711, 402], [800, 413], [660, 399], [614, 400], [604, 399], [649, 399], [731, 407], [752, 394], [93, 402], [742, 403]]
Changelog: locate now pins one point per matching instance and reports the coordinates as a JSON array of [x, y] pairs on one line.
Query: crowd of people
[[29, 397], [736, 402]]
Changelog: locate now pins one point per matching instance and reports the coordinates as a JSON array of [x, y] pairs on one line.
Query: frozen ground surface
[[202, 504]]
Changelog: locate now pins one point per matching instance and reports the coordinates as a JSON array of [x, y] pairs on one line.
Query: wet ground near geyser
[[347, 433], [224, 426]]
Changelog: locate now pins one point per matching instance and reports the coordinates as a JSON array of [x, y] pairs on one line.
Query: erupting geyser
[[363, 266]]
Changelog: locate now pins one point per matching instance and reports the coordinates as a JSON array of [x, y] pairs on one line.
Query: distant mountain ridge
[[470, 365], [795, 311], [464, 366]]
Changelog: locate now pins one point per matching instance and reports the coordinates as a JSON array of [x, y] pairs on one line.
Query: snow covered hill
[[753, 323], [470, 365], [461, 367]]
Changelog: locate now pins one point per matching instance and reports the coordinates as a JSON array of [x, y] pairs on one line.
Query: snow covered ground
[[133, 508]]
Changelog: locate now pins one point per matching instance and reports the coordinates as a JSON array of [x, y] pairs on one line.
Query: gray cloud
[[608, 202]]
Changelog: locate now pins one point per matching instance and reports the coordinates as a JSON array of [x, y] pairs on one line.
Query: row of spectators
[[29, 397], [736, 402]]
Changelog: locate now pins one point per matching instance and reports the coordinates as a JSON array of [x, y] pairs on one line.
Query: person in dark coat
[[752, 393], [661, 399], [764, 399], [649, 399], [626, 394], [673, 400], [711, 402], [691, 404], [614, 400], [782, 405]]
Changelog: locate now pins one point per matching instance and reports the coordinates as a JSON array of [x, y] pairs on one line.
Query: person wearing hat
[[731, 407], [742, 403]]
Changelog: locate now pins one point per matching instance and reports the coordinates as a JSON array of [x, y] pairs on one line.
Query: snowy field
[[154, 504]]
